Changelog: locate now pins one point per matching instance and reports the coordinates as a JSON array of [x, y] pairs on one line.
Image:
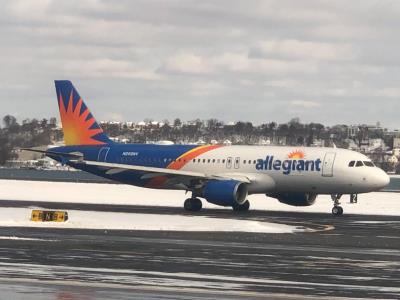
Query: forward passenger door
[[327, 166]]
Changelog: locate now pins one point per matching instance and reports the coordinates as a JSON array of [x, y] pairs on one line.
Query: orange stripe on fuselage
[[180, 162]]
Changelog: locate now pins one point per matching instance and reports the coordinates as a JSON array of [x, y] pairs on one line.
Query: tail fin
[[79, 125]]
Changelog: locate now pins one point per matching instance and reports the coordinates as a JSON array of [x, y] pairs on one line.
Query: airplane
[[222, 175]]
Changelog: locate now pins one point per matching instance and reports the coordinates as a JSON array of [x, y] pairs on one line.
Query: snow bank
[[383, 203], [132, 221]]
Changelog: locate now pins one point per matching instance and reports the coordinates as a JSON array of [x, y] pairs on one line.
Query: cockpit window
[[351, 164], [369, 163], [359, 163]]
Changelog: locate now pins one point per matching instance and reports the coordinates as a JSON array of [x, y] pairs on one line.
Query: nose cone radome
[[381, 179]]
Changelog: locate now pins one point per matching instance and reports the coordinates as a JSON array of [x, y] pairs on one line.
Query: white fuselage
[[293, 169]]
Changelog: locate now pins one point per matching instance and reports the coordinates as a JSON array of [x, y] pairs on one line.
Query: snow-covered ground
[[374, 203], [383, 203], [135, 221]]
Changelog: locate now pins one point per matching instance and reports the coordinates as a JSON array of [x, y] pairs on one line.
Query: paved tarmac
[[352, 256]]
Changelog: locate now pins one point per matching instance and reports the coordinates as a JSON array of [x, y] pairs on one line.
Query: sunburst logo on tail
[[297, 154], [77, 123]]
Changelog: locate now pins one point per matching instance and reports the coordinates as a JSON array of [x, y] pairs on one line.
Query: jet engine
[[225, 192], [295, 199]]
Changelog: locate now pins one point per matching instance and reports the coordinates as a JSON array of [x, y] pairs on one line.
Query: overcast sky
[[322, 61]]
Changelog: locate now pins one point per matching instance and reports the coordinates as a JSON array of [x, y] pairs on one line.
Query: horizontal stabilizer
[[74, 155]]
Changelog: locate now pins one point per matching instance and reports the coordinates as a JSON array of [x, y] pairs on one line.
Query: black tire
[[187, 205], [340, 210], [337, 211], [197, 205], [192, 204], [241, 207]]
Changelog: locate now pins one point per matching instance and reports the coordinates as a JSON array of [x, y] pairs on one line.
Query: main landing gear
[[337, 210], [193, 204], [241, 207]]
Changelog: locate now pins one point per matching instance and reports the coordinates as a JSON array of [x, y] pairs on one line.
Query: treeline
[[33, 132], [29, 133], [292, 133]]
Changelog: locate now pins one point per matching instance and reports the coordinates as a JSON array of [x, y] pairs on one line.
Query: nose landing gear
[[337, 210]]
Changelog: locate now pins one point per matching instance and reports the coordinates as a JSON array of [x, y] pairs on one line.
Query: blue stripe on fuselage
[[159, 156]]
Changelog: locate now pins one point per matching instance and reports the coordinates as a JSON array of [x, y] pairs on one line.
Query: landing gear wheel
[[337, 211], [241, 207], [340, 210], [193, 204]]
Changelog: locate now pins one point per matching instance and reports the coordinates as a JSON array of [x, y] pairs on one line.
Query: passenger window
[[209, 160], [194, 160], [359, 163], [369, 163], [244, 161], [223, 161], [254, 161], [204, 160], [218, 161], [213, 160], [351, 164]]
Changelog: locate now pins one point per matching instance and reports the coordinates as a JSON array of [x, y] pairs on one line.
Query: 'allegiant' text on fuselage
[[288, 165]]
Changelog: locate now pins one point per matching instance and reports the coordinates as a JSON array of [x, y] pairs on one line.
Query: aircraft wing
[[175, 177], [150, 172]]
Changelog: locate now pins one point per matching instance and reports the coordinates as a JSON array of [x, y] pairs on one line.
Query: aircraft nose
[[381, 179]]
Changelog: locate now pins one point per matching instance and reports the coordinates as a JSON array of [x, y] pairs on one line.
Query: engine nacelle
[[295, 199], [225, 192]]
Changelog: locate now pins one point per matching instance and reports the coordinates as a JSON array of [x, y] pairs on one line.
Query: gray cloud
[[323, 61]]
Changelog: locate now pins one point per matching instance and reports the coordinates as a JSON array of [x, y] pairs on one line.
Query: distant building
[[396, 152], [352, 131], [227, 143], [351, 144], [393, 159], [318, 143], [164, 142], [125, 141], [372, 145], [396, 142]]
